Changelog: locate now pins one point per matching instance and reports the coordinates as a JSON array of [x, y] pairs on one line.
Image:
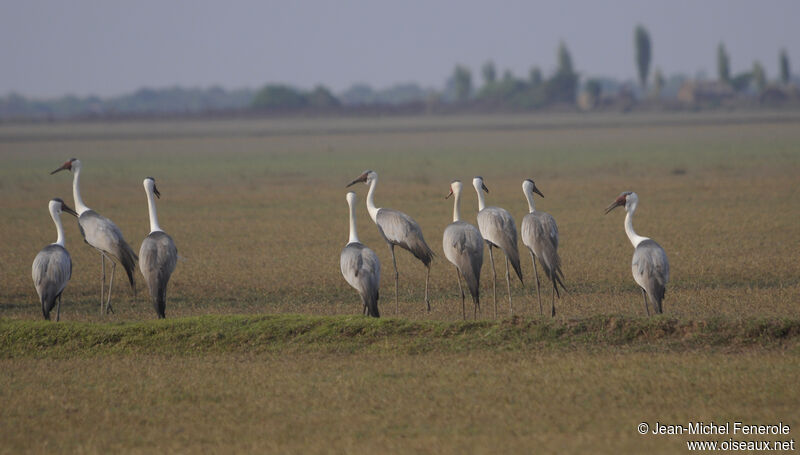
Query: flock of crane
[[52, 267], [462, 243], [463, 246]]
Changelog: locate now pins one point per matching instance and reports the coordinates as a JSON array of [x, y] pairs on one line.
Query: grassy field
[[302, 384], [257, 210]]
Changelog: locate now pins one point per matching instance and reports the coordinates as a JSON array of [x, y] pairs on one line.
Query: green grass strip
[[352, 334]]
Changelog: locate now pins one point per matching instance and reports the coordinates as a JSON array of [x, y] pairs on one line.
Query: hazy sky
[[108, 47]]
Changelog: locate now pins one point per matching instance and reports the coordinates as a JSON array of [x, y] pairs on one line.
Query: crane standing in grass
[[463, 246], [498, 230], [52, 267], [540, 235], [360, 266], [650, 266], [397, 228], [158, 255], [102, 234]]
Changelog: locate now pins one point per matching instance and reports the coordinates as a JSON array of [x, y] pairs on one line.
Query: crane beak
[[67, 166], [449, 194], [68, 209], [536, 190], [483, 185], [156, 192], [615, 204], [361, 178]]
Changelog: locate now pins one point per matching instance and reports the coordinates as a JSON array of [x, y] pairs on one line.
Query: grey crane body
[[157, 259], [540, 235], [650, 269], [463, 247], [362, 270], [52, 269], [498, 230], [157, 255], [102, 234], [397, 229], [52, 266], [360, 265], [649, 266]]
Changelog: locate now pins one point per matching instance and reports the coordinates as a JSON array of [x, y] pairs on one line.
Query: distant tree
[[358, 94], [535, 77], [723, 64], [594, 88], [643, 53], [759, 76], [658, 82], [462, 79], [786, 73], [489, 73], [562, 87], [322, 97], [403, 94], [274, 96], [564, 59], [741, 82]]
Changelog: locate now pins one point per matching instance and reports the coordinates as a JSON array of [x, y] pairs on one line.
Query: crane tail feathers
[[128, 259], [514, 258], [372, 305]]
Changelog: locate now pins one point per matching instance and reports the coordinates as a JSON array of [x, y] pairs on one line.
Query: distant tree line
[[562, 87], [143, 101]]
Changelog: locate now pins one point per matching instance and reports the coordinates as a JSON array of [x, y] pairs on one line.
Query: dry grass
[[258, 213], [257, 210], [480, 402]]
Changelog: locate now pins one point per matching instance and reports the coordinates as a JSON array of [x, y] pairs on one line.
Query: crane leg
[[536, 273], [427, 278], [110, 285], [646, 308], [494, 281], [461, 289], [553, 307], [396, 280], [508, 283], [58, 309], [103, 282]]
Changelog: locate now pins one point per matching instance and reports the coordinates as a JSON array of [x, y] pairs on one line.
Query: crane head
[[67, 165], [529, 186], [477, 182], [62, 206], [367, 177], [152, 181], [455, 185], [622, 199], [350, 197]]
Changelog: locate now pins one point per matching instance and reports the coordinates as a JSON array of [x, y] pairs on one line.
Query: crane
[[649, 266], [463, 246], [399, 229], [102, 234], [540, 235], [157, 255], [52, 267], [360, 266], [498, 231]]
